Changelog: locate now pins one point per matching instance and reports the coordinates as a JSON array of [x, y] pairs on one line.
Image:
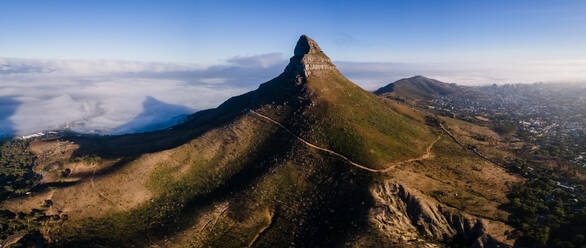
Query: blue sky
[[208, 32]]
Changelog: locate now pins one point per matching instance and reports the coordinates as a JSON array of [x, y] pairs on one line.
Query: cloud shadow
[[8, 106], [156, 115]]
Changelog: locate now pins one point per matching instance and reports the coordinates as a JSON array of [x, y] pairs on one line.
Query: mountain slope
[[418, 88], [297, 162]]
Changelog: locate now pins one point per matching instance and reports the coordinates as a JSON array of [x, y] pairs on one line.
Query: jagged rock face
[[406, 215], [309, 59]]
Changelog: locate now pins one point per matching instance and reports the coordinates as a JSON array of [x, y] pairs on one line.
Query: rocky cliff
[[406, 215], [309, 59]]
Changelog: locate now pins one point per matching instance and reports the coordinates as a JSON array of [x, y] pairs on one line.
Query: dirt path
[[425, 156], [12, 239], [269, 216], [97, 191]]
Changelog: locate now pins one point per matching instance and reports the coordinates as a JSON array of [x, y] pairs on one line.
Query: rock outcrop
[[407, 215], [309, 59]]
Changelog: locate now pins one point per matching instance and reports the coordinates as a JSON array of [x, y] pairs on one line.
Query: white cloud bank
[[117, 96], [374, 75], [105, 96]]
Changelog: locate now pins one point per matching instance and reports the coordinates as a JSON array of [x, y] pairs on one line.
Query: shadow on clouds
[[8, 106]]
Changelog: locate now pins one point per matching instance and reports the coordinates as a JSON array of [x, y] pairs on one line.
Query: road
[[475, 151]]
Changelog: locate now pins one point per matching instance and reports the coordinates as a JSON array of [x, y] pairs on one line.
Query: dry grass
[[458, 178], [52, 150], [485, 140], [51, 155], [95, 196], [125, 188]]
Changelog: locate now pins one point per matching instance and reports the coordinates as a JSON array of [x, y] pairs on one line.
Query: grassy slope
[[318, 200], [202, 174], [362, 126]]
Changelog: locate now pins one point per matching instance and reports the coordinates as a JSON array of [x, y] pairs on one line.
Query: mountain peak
[[306, 45], [308, 59]]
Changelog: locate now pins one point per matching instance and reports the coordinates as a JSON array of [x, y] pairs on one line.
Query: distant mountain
[[418, 87], [309, 159]]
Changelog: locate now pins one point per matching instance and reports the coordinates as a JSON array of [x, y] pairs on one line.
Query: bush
[[547, 215], [88, 159], [16, 168]]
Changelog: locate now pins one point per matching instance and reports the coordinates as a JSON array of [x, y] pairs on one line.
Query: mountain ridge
[[418, 87]]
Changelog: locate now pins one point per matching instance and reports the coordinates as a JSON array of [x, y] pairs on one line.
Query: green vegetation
[[21, 223], [549, 209], [567, 148], [547, 215], [361, 126], [504, 127], [16, 168], [87, 159]]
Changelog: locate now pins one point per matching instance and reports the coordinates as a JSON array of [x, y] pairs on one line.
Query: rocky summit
[[309, 59]]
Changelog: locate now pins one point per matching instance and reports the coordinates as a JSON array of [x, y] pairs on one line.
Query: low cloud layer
[[120, 96], [374, 75], [114, 96]]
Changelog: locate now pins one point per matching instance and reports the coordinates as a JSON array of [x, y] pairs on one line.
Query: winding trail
[[426, 155], [263, 229]]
